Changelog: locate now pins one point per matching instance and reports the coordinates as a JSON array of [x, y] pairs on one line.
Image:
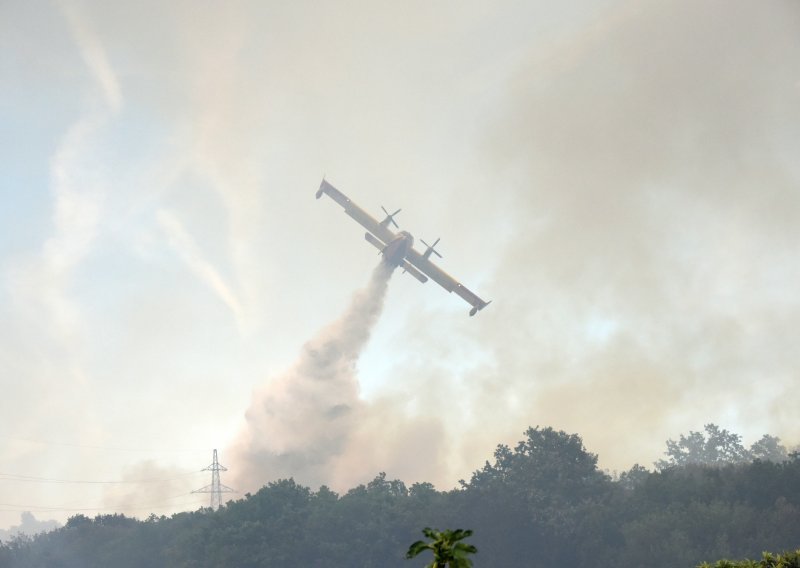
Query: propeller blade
[[431, 248], [390, 216]]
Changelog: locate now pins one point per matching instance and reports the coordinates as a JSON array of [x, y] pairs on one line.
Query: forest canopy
[[542, 503]]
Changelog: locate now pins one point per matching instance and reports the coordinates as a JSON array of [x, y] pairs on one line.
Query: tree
[[547, 468], [540, 503], [539, 495], [633, 478], [769, 448], [448, 551], [715, 447], [768, 560], [720, 447]]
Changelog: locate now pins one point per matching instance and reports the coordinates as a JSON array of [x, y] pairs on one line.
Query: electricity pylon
[[216, 488]]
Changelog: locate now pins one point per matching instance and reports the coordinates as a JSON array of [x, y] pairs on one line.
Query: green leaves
[[541, 503], [718, 446], [768, 560], [447, 549]]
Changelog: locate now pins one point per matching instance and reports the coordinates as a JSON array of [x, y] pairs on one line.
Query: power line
[[16, 508], [99, 447], [34, 479]]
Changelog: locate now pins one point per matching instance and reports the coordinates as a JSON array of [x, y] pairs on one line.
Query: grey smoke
[[29, 525], [656, 244], [300, 422], [649, 282]]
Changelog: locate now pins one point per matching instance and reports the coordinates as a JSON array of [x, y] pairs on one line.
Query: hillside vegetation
[[542, 503]]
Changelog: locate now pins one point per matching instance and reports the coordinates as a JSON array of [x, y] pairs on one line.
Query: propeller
[[390, 216], [431, 249]]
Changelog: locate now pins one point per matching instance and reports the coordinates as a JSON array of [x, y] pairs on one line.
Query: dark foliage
[[543, 503], [768, 560]]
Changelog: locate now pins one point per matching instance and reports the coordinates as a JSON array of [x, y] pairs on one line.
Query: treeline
[[543, 503], [768, 560]]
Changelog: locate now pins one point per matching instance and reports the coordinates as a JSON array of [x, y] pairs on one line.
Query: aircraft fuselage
[[397, 248], [396, 251]]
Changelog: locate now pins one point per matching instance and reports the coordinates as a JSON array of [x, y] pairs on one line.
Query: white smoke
[[299, 423]]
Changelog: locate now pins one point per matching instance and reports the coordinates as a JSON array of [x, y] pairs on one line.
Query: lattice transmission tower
[[216, 488]]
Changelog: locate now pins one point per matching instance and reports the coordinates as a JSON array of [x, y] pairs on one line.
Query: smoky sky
[[645, 281], [620, 178], [657, 228]]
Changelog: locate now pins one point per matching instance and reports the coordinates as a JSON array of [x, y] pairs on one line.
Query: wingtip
[[476, 309]]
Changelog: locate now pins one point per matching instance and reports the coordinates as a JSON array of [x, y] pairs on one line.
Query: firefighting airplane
[[398, 248]]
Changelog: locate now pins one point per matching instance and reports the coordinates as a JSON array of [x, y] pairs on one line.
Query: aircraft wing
[[379, 235], [445, 280], [365, 219]]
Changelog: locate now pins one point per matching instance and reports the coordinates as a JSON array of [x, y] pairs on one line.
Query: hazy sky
[[621, 178]]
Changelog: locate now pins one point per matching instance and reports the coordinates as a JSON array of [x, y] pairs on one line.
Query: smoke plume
[[299, 424]]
